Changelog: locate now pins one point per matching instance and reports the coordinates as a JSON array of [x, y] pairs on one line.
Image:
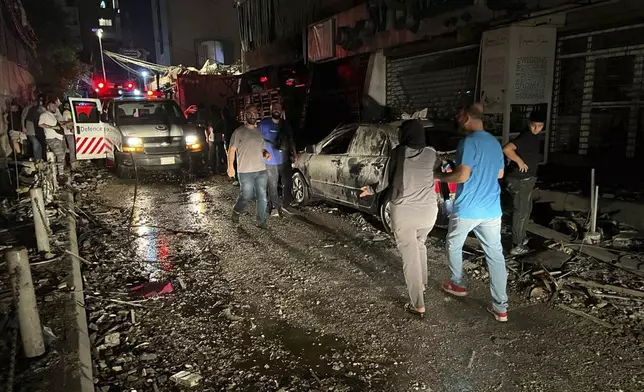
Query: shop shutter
[[441, 82], [598, 95]]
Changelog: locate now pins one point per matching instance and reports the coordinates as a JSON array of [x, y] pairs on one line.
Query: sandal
[[409, 308]]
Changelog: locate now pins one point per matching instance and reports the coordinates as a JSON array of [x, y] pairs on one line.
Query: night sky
[[137, 25]]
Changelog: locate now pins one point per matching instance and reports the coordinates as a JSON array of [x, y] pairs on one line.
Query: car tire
[[301, 194], [384, 213], [123, 172]]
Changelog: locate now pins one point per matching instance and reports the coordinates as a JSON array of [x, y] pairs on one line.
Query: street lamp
[[99, 34]]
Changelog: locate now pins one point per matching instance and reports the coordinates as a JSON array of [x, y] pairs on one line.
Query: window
[[148, 112], [86, 112], [340, 144], [211, 50], [103, 5], [104, 22], [614, 79], [368, 141]]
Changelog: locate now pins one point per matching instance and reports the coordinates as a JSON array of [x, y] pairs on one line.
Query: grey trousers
[[57, 146], [411, 225]]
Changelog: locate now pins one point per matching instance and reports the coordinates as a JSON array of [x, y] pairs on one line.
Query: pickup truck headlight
[[134, 142], [192, 139]]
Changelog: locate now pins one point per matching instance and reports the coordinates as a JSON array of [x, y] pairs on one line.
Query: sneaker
[[519, 250], [262, 225], [498, 316], [453, 289], [235, 217], [275, 212]]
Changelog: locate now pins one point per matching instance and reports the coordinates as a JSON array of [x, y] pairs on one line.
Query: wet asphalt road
[[314, 306]]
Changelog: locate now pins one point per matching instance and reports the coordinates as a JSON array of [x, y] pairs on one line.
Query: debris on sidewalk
[[186, 379]]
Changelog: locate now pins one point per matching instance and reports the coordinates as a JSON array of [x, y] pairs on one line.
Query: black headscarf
[[411, 134]]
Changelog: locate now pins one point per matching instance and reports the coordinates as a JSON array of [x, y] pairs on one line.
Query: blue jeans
[[488, 231], [36, 147], [253, 186]]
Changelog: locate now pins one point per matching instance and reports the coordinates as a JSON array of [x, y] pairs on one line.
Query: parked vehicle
[[355, 155], [149, 132]]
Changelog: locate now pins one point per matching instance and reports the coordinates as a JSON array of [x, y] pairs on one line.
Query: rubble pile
[[609, 293]]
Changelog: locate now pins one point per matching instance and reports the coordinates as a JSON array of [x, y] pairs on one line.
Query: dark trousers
[[521, 192], [275, 172]]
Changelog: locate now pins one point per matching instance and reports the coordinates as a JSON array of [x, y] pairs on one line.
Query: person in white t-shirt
[[53, 135]]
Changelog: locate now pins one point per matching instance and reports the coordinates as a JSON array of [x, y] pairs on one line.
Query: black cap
[[539, 117]]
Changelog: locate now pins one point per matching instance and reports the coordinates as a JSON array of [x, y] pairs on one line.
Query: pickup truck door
[[89, 131]]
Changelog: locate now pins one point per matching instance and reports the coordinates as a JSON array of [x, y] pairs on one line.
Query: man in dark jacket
[[521, 175]]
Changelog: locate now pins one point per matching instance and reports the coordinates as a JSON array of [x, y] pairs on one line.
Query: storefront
[[598, 95], [440, 81]]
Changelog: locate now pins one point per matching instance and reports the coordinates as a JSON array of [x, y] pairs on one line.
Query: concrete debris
[[186, 379], [113, 340]]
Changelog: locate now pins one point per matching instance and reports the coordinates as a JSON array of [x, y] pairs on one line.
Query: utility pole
[[99, 33]]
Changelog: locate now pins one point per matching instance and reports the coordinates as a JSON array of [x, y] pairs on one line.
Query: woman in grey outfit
[[413, 206]]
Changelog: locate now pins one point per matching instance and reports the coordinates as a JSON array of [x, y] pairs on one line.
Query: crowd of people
[[263, 152], [43, 124]]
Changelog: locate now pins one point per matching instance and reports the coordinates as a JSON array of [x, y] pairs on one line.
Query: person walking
[[281, 147], [521, 174], [248, 144], [53, 135], [477, 208], [413, 206]]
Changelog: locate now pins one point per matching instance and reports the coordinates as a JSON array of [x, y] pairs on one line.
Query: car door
[[89, 132], [328, 163], [367, 160]]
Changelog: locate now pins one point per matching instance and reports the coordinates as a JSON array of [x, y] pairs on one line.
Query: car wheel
[[300, 189], [385, 213]]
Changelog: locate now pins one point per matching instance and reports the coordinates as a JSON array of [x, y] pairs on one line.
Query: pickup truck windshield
[[148, 112]]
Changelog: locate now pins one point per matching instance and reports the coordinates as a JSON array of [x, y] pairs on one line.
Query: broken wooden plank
[[607, 287], [549, 258], [587, 316], [592, 251]]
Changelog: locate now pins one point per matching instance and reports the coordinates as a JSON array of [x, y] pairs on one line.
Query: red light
[[289, 82], [263, 79], [150, 93], [130, 85], [101, 85]]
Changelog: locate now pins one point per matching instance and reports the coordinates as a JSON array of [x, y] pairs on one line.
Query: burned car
[[356, 155]]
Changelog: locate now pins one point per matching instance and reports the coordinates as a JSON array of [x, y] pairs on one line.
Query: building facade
[[189, 33], [17, 43], [580, 61]]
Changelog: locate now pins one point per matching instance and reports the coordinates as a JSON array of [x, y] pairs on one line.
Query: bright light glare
[[134, 142], [192, 139], [99, 33], [137, 92], [144, 73]]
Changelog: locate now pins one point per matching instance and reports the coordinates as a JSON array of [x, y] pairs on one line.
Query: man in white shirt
[[53, 135]]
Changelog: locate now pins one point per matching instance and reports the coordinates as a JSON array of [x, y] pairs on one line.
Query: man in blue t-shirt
[[477, 208], [279, 143]]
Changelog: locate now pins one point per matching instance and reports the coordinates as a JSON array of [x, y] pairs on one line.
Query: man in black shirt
[[521, 174]]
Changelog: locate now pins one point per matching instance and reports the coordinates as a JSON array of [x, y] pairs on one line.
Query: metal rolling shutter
[[598, 94], [440, 81]]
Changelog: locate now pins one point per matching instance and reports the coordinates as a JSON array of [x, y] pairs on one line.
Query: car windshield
[[148, 113]]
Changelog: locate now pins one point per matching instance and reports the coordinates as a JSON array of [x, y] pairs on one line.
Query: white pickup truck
[[136, 133]]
